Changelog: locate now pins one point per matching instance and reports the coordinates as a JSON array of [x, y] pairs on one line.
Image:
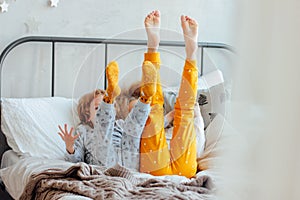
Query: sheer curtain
[[262, 161]]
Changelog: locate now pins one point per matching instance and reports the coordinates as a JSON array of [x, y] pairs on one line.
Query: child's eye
[[96, 108]]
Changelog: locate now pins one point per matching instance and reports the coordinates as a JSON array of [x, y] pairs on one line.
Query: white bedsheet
[[17, 176], [9, 158]]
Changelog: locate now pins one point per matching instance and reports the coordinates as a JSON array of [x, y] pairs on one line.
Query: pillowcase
[[31, 124], [212, 87], [216, 103], [217, 134]]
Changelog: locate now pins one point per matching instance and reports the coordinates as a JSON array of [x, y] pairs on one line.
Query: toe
[[193, 22], [183, 21]]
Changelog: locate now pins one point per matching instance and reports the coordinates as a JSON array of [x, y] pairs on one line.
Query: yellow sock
[[149, 78], [112, 75]]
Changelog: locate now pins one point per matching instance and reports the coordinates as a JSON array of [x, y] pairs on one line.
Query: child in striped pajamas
[[102, 140]]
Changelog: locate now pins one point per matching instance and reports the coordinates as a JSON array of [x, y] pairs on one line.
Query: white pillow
[[31, 124], [212, 86], [217, 134]]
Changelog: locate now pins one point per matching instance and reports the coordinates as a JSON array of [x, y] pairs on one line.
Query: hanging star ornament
[[54, 3], [4, 6]]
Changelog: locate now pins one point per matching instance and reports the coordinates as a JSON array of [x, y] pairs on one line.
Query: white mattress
[[10, 158]]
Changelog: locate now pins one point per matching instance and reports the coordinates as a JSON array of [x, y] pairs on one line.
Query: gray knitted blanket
[[114, 183]]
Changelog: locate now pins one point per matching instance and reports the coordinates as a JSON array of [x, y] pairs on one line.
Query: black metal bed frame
[[106, 42]]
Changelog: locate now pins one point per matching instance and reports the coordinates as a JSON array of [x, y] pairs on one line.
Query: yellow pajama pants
[[180, 159]]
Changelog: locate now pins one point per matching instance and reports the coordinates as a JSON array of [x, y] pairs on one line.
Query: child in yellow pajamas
[[155, 157]]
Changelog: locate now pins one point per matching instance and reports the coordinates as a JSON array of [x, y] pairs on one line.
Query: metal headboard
[[106, 42], [76, 40]]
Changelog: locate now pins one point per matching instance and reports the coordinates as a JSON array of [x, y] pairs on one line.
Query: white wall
[[101, 19]]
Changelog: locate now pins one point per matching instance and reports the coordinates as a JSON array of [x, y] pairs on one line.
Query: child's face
[[95, 104]]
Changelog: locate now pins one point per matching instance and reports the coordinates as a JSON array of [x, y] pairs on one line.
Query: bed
[[34, 169]]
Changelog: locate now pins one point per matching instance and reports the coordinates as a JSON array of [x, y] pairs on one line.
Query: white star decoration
[[54, 3], [4, 6]]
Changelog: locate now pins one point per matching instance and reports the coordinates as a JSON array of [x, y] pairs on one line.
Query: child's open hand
[[68, 137]]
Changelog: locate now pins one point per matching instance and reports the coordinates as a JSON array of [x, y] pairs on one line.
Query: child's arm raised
[[68, 138]]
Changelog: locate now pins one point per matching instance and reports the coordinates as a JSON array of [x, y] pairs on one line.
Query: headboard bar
[[106, 42], [52, 71]]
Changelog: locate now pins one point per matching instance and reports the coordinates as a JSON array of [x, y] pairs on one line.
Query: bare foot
[[190, 31], [152, 25]]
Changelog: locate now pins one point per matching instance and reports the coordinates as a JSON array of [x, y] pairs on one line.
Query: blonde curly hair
[[121, 103], [83, 107], [123, 100]]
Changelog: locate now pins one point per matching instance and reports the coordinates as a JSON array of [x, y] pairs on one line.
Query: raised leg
[[154, 149], [183, 143], [134, 123], [105, 117], [181, 158]]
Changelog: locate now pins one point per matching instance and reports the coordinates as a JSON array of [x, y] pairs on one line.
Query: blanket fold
[[113, 183]]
